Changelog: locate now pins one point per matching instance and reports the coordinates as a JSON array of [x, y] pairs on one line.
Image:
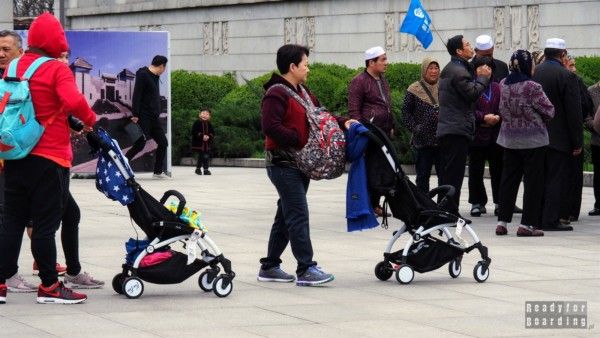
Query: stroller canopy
[[112, 170]]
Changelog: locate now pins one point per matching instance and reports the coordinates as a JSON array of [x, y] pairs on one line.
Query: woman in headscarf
[[420, 113], [525, 111]]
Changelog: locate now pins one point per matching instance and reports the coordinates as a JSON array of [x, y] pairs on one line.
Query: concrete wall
[[242, 36], [6, 15]]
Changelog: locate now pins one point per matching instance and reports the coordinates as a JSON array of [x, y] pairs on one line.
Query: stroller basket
[[427, 255], [172, 271]]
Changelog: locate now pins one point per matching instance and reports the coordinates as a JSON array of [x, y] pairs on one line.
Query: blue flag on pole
[[417, 23]]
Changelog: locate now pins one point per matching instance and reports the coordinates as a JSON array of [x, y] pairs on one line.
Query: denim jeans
[[291, 219], [425, 159]]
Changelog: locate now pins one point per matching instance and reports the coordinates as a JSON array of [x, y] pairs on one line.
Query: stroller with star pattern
[[152, 259]]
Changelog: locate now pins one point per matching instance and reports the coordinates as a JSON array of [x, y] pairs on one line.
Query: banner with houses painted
[[104, 64]]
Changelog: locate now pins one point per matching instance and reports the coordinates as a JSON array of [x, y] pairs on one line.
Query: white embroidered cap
[[374, 52], [484, 42], [556, 43]]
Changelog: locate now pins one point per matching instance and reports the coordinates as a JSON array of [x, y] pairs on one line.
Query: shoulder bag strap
[[428, 93]]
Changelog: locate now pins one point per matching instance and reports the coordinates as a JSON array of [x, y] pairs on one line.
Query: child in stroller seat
[[162, 228]]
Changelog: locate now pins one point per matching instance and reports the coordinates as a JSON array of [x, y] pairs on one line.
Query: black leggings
[[69, 235]]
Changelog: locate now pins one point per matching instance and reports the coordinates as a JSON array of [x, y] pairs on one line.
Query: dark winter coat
[[459, 91], [199, 129], [565, 130]]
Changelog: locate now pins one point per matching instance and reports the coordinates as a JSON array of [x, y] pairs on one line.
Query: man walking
[[369, 101], [565, 130], [146, 111], [460, 87]]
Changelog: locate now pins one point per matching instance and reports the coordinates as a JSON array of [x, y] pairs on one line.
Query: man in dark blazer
[[565, 130], [460, 87]]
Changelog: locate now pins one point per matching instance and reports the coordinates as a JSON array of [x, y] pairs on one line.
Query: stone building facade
[[216, 36]]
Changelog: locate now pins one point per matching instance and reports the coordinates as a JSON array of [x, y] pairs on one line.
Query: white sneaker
[[17, 283], [160, 176]]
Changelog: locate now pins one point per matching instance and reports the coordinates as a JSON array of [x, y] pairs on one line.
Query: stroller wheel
[[223, 286], [117, 283], [133, 287], [481, 272], [206, 280], [405, 274], [454, 268], [383, 270]]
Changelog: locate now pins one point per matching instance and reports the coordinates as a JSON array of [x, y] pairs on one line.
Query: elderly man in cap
[[484, 46], [565, 130], [369, 101]]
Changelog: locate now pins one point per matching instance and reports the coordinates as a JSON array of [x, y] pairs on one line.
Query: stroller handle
[[178, 195], [449, 193], [96, 142]]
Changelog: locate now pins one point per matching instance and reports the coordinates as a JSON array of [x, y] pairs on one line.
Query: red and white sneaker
[[59, 294], [60, 269], [3, 290]]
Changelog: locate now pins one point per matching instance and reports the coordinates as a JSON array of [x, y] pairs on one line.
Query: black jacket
[[500, 70], [565, 130], [457, 94], [146, 94], [199, 130]]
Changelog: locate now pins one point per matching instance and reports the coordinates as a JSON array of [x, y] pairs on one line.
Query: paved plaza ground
[[238, 206]]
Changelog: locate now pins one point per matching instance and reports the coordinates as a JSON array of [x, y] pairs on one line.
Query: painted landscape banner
[[104, 64]]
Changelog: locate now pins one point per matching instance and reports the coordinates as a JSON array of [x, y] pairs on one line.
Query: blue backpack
[[19, 129]]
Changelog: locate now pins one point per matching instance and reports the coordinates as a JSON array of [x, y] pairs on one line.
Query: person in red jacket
[[37, 185]]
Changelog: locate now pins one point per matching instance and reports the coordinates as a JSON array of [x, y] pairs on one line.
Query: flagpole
[[438, 33]]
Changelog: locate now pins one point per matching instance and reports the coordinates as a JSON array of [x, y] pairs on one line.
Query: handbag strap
[[434, 101]]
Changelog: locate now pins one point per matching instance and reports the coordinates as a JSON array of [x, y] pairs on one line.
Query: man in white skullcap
[[369, 101], [484, 46], [565, 130]]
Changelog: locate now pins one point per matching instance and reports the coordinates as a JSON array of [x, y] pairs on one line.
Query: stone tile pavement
[[238, 207]]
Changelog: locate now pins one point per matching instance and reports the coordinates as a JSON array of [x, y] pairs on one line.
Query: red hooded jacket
[[53, 91]]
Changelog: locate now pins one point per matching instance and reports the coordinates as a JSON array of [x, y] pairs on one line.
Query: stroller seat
[[422, 218]]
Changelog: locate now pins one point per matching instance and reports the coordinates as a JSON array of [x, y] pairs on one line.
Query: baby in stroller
[[162, 228], [432, 242]]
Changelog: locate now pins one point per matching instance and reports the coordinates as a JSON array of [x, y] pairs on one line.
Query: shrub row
[[236, 108]]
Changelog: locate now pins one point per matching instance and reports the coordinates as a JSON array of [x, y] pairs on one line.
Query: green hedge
[[189, 93], [588, 68], [236, 109]]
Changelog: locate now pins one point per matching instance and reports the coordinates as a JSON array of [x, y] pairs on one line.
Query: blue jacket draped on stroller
[[422, 219]]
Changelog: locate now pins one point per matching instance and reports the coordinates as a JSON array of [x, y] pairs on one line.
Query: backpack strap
[[34, 66], [12, 67], [306, 103]]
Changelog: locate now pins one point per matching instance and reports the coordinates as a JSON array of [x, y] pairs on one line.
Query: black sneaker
[[594, 212], [59, 294], [274, 275], [207, 172], [314, 276], [476, 210], [198, 171]]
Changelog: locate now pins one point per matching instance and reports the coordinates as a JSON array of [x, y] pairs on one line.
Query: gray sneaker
[[17, 283], [274, 275], [82, 281], [314, 276]]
